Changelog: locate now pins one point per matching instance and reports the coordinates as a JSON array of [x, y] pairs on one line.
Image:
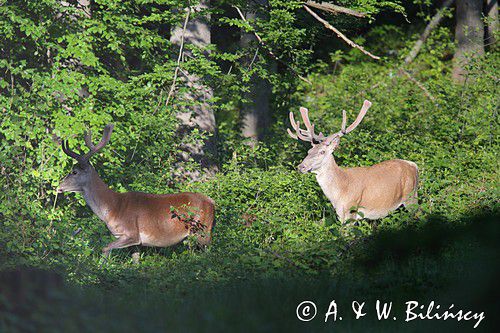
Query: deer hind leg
[[136, 257], [412, 201], [204, 237], [203, 241]]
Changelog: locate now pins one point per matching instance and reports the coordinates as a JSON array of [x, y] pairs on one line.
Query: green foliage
[[62, 73]]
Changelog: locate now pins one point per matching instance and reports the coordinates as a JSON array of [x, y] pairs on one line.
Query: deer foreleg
[[120, 243]]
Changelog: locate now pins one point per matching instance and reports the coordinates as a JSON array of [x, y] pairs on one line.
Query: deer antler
[[366, 105], [69, 152], [106, 136], [308, 134], [343, 131], [88, 140]]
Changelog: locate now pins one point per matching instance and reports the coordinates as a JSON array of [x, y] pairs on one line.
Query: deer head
[[322, 147], [82, 171]]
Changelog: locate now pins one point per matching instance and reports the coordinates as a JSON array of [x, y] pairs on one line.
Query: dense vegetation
[[252, 276]]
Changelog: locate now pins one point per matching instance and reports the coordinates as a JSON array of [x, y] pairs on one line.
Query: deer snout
[[302, 168]]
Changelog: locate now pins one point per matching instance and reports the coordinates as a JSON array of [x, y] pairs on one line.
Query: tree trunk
[[199, 114], [85, 12], [256, 112], [469, 34], [491, 13]]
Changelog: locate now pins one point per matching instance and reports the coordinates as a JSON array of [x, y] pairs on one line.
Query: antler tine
[[310, 127], [304, 112], [294, 125], [88, 140], [305, 117], [106, 136], [293, 136], [307, 134], [303, 134], [362, 113], [69, 152], [300, 133], [344, 121]]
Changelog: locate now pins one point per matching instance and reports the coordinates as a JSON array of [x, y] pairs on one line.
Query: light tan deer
[[136, 218], [362, 192]]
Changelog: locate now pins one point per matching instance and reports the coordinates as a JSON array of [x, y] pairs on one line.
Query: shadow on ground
[[448, 263]]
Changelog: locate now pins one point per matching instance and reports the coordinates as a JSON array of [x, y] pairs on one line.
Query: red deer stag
[[136, 218], [363, 192]]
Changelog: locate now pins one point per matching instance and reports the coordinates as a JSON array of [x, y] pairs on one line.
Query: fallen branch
[[436, 19], [417, 83], [181, 50], [328, 7], [280, 256], [339, 34], [261, 42], [403, 72]]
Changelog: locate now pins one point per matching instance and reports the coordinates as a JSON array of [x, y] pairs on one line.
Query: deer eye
[[74, 172], [322, 152]]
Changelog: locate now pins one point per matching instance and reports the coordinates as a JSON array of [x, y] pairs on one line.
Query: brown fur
[[374, 191], [137, 218]]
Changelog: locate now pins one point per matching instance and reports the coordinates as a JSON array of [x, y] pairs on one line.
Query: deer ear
[[332, 140]]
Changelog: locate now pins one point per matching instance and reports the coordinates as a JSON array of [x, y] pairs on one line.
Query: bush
[[274, 226]]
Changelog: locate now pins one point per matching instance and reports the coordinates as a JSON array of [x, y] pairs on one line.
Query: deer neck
[[332, 179], [100, 198]]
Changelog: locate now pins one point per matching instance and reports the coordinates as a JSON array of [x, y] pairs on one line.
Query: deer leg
[[412, 200], [203, 238], [120, 243], [136, 256], [340, 215], [346, 217]]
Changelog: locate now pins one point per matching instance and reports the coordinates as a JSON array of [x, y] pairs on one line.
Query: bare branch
[[179, 57], [339, 34], [261, 42], [417, 83], [328, 7], [436, 19]]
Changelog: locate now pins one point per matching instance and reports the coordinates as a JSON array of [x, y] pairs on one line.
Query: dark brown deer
[[136, 218], [363, 192]]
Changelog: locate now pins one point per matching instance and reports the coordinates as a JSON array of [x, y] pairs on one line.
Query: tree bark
[[256, 112], [491, 13], [199, 114], [469, 34]]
